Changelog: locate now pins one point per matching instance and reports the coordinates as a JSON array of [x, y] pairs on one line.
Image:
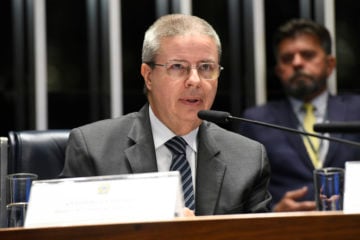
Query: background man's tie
[[311, 143], [177, 146]]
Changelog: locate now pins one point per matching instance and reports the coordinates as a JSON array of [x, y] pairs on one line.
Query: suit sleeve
[[77, 160]]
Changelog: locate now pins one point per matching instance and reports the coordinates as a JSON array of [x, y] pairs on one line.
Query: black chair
[[34, 151], [41, 152], [3, 173]]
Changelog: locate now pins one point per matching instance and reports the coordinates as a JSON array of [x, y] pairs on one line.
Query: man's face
[[177, 100], [303, 66]]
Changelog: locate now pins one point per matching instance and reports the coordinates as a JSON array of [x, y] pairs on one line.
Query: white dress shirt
[[161, 135]]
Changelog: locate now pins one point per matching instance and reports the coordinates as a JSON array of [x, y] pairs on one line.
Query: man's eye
[[208, 67], [308, 54], [177, 66], [287, 58]]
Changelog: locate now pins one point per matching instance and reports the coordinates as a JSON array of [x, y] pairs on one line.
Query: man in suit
[[304, 63], [230, 173]]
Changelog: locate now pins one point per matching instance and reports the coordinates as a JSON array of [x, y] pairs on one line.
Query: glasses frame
[[188, 70]]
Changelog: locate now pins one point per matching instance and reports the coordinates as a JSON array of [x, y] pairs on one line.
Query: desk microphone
[[224, 117], [336, 127]]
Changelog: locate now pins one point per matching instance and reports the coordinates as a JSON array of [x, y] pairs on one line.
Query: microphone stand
[[295, 131], [342, 127]]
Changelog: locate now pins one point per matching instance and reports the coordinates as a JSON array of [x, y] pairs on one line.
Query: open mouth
[[190, 100]]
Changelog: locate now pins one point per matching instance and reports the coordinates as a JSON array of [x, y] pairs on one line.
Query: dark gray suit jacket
[[232, 171]]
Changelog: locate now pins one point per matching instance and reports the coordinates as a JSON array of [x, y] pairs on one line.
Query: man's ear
[[331, 64], [146, 71]]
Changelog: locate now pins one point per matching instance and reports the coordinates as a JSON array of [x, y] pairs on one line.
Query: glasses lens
[[208, 70], [177, 69], [181, 70]]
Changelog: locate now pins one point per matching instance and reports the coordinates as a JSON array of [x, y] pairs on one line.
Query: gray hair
[[174, 25]]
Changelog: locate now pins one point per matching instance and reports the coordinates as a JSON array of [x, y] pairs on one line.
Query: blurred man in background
[[303, 64]]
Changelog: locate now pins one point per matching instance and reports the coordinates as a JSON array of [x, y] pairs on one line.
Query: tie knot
[[308, 107], [176, 145]]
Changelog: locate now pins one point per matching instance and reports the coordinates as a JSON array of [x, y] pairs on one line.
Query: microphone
[[224, 117], [214, 116], [336, 127]]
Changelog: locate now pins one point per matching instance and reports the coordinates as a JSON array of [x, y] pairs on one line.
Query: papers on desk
[[352, 187], [105, 199]]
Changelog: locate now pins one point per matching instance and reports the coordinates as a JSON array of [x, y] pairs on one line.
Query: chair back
[[34, 151], [37, 151], [3, 173]]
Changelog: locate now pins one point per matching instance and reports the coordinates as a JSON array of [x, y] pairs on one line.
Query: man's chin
[[300, 93]]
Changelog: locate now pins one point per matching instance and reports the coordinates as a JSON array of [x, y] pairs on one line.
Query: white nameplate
[[352, 190], [105, 199]]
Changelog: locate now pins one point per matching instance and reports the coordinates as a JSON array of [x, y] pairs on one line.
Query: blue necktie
[[177, 146]]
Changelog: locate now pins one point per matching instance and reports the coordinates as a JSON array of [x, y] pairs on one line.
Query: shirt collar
[[162, 134], [320, 103]]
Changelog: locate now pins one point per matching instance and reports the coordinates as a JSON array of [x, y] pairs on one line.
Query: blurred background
[[65, 63]]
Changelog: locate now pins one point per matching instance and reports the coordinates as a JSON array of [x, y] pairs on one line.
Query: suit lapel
[[141, 155], [294, 139], [336, 112], [210, 169], [210, 173]]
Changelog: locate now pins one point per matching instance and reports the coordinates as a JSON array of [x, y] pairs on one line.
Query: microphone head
[[214, 116]]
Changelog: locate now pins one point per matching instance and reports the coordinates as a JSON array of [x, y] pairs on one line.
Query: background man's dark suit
[[291, 167], [232, 172]]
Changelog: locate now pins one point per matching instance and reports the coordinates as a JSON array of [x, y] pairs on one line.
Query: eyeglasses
[[181, 69]]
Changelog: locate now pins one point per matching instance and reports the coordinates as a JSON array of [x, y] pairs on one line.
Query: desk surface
[[298, 225]]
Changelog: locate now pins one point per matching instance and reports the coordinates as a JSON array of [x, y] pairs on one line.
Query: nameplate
[[352, 190], [105, 199]]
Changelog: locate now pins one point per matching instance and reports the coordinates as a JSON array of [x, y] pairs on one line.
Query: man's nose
[[297, 60], [194, 77]]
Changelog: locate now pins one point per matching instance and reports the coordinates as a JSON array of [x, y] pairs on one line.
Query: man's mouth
[[190, 100]]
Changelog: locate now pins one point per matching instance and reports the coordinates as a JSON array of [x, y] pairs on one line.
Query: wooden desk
[[289, 226]]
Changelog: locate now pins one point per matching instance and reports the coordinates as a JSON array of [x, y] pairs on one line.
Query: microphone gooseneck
[[223, 117], [335, 127]]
